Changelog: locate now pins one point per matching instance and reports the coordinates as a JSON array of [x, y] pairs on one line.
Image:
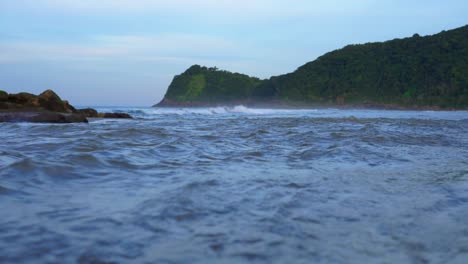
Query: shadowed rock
[[90, 112], [3, 96], [42, 117], [52, 102], [21, 99], [46, 101], [44, 108], [47, 107], [114, 115]]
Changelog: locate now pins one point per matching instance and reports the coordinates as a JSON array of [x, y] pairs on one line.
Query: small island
[[428, 72]]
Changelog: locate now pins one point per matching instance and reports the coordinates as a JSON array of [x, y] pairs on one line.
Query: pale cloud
[[34, 51], [171, 43], [132, 47]]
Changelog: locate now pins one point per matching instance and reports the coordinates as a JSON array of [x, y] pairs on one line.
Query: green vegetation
[[416, 71], [202, 84]]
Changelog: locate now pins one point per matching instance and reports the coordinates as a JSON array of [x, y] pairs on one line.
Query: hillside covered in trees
[[415, 71], [202, 84]]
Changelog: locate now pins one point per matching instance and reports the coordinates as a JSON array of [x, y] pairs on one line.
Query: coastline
[[278, 104]]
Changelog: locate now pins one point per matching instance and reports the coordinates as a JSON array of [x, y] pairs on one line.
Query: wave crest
[[219, 110]]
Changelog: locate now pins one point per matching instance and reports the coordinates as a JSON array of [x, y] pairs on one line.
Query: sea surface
[[237, 185]]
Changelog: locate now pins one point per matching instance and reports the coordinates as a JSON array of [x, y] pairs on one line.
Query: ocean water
[[237, 185]]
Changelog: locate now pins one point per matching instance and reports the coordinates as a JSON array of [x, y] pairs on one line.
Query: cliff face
[[415, 71]]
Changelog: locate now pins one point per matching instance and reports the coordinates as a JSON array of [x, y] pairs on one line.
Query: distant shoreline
[[165, 103], [413, 73]]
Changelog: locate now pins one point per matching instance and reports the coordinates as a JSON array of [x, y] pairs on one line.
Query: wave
[[241, 110], [220, 110]]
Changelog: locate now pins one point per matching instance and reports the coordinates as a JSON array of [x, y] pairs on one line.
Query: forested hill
[[209, 86], [415, 71]]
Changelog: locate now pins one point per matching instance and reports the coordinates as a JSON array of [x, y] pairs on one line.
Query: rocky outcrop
[[3, 96], [46, 107], [88, 112], [52, 102], [114, 115], [42, 117], [46, 101], [92, 113]]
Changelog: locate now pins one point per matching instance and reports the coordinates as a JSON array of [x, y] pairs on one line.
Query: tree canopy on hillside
[[422, 71]]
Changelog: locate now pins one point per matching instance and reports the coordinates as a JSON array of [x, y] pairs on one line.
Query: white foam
[[220, 110], [240, 110]]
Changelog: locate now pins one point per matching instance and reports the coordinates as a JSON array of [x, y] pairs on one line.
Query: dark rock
[[47, 107], [49, 100], [46, 101], [69, 106], [88, 112], [44, 108], [3, 96], [21, 99], [42, 117], [114, 115]]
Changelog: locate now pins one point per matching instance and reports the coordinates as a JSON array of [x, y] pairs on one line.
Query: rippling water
[[237, 185]]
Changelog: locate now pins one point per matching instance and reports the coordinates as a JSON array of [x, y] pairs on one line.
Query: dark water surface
[[237, 185]]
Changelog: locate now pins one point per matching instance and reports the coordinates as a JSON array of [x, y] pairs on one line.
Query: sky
[[126, 52]]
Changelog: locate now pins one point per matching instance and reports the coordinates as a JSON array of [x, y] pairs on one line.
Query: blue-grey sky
[[126, 52]]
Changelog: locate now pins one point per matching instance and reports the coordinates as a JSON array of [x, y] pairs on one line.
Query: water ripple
[[236, 185]]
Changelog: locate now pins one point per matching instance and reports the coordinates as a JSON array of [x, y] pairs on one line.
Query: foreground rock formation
[[42, 117], [46, 101], [46, 107]]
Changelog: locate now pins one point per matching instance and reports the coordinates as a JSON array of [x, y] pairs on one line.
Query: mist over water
[[237, 185]]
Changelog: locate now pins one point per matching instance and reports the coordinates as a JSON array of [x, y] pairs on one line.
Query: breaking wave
[[240, 110], [220, 110]]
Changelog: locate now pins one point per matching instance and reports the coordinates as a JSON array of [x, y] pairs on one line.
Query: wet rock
[[3, 96], [47, 107], [69, 106], [44, 108], [49, 100], [46, 101], [21, 99], [42, 117], [88, 112], [114, 115]]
